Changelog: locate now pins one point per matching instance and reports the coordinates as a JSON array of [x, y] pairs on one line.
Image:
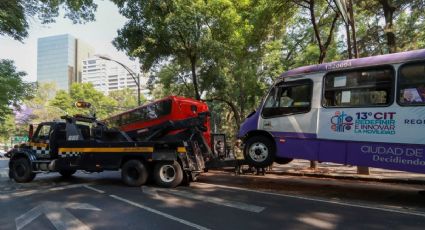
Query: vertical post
[[138, 89]]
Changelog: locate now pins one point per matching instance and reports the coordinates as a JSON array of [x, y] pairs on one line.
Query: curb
[[360, 178]]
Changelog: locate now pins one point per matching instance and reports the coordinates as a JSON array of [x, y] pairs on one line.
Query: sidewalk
[[338, 171]]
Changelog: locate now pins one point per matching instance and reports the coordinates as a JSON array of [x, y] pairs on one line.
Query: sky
[[99, 34]]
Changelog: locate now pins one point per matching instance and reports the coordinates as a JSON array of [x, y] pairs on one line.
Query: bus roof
[[359, 62]]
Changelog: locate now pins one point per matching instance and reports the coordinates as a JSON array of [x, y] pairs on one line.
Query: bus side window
[[359, 88], [411, 84], [291, 98]]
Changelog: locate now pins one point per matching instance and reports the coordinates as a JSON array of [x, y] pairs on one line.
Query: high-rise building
[[59, 59], [107, 76]]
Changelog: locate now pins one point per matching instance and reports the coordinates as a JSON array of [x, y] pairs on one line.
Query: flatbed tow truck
[[83, 143]]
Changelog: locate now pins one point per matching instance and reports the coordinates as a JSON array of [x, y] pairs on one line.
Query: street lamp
[[136, 77]]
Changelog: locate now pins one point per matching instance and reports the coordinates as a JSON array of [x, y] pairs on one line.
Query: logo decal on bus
[[364, 122], [341, 122]]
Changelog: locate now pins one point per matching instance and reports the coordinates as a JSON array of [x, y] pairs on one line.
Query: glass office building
[[59, 59]]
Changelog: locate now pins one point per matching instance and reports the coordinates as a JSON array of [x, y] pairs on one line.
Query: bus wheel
[[67, 173], [21, 170], [134, 173], [168, 174], [259, 151]]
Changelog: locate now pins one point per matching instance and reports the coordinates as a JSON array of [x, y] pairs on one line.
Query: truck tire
[[168, 174], [67, 173], [259, 151], [134, 173], [21, 171]]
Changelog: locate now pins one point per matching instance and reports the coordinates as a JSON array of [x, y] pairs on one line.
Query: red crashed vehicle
[[156, 118]]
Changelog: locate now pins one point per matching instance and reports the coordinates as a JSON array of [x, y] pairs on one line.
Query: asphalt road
[[218, 201]]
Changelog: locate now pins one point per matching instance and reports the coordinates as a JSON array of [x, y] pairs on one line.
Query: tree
[[13, 89], [126, 98], [183, 31], [37, 109], [15, 15], [102, 105], [392, 13], [322, 18]]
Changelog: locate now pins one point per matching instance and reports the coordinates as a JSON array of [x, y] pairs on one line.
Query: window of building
[[411, 84], [289, 98], [359, 88]]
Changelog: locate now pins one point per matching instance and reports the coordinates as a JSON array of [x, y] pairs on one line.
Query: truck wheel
[[259, 151], [21, 170], [168, 174], [134, 173], [67, 173]]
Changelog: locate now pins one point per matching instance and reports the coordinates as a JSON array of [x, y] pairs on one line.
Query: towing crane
[[83, 143]]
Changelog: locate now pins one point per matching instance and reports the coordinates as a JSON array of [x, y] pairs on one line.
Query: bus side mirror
[[30, 131]]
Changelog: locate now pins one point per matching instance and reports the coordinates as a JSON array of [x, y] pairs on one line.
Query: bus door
[[289, 114]]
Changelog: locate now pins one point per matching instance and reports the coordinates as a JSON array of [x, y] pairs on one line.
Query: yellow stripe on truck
[[39, 144], [181, 149], [108, 150]]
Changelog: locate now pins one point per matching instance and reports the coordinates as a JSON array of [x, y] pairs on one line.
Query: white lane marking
[[185, 222], [57, 214], [320, 220], [213, 200], [414, 213], [94, 189], [31, 192], [4, 174]]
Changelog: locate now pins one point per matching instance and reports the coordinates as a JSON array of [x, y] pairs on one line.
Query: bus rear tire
[[134, 173], [21, 171], [168, 174], [259, 151]]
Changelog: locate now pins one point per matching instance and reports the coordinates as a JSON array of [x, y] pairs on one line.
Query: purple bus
[[365, 112]]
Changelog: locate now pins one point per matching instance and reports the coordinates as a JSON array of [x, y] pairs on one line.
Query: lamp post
[[136, 77]]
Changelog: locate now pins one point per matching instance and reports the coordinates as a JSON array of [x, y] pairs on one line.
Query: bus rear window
[[359, 88], [411, 84]]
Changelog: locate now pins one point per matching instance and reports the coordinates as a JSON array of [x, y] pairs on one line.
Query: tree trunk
[[322, 47], [232, 106], [349, 50], [389, 9], [353, 28], [362, 170], [195, 78], [313, 164]]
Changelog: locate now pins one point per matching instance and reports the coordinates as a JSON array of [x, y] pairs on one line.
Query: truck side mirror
[[30, 131]]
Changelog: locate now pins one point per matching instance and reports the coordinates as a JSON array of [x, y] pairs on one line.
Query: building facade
[[107, 76], [59, 59]]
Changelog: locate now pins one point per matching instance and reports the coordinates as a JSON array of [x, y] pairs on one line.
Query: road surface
[[219, 200]]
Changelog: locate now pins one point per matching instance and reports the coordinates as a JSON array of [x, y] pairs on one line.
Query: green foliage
[[7, 128], [13, 89], [233, 50], [15, 15], [126, 98], [104, 106]]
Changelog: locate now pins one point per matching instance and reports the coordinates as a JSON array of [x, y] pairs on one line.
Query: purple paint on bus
[[250, 124], [404, 157], [360, 62]]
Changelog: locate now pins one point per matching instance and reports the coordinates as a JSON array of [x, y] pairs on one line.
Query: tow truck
[[84, 143]]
